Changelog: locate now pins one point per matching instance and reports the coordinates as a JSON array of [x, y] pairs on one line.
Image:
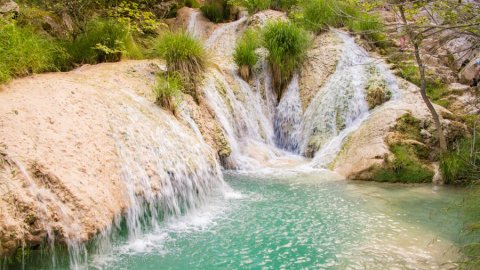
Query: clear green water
[[298, 222]]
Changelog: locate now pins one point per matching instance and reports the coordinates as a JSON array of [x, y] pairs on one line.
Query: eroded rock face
[[366, 147], [75, 147], [320, 63]]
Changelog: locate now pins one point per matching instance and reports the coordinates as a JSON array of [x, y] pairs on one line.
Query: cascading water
[[340, 107], [288, 118], [162, 176]]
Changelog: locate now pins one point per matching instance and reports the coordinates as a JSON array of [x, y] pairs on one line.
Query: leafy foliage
[[287, 44], [216, 10], [105, 40], [139, 21], [23, 52], [462, 165], [252, 6]]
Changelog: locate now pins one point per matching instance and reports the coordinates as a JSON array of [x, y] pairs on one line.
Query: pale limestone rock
[[9, 7], [320, 63], [366, 147]]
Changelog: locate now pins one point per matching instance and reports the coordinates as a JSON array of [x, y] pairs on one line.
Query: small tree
[[420, 20]]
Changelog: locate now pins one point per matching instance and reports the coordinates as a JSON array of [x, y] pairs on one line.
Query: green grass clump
[[461, 166], [252, 6], [23, 52], [370, 27], [287, 45], [184, 54], [283, 5], [318, 15], [244, 54], [104, 40], [405, 167], [168, 89], [216, 10]]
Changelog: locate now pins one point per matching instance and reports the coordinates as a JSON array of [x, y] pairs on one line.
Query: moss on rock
[[408, 160]]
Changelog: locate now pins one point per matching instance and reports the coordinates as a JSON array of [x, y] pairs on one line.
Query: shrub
[[252, 6], [139, 21], [461, 166], [283, 5], [23, 52], [319, 14], [103, 41], [191, 3], [182, 52], [168, 89], [245, 55], [216, 10], [287, 45], [370, 27]]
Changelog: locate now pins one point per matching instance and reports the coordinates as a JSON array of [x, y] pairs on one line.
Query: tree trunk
[[423, 92], [423, 85]]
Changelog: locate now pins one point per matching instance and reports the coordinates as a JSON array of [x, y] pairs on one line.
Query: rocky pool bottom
[[290, 221]]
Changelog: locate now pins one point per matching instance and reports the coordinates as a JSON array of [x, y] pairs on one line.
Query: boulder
[[9, 8], [468, 72]]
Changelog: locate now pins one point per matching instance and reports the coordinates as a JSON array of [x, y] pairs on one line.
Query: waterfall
[[164, 176], [192, 23], [340, 108], [288, 118]]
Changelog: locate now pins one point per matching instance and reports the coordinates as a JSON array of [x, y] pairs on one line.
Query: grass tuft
[[168, 90], [287, 45], [184, 54], [245, 55], [23, 52]]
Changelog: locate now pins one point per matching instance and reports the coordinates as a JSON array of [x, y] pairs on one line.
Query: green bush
[[140, 21], [23, 52], [244, 54], [216, 10], [462, 164], [318, 15], [252, 6], [370, 27], [103, 41], [287, 45], [182, 52], [168, 89], [191, 3], [283, 5]]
